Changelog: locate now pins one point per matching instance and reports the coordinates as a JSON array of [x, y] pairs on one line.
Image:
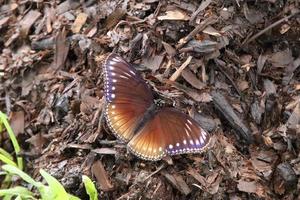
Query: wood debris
[[232, 66]]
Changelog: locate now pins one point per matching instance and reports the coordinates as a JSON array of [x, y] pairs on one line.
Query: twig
[[200, 27], [180, 69], [202, 6], [268, 28], [227, 76]]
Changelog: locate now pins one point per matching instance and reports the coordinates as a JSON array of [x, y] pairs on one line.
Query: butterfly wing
[[169, 132], [127, 96]]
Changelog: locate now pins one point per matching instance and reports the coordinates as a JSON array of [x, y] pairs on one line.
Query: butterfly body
[[151, 132]]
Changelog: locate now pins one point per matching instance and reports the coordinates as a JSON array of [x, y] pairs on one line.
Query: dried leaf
[[253, 16], [101, 176], [153, 63], [243, 85], [294, 119], [281, 58], [17, 122], [114, 18], [88, 104], [37, 141], [197, 176]]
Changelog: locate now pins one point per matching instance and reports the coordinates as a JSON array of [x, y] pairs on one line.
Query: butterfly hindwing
[[169, 132]]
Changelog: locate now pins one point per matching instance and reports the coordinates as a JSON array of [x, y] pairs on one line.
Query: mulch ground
[[231, 65]]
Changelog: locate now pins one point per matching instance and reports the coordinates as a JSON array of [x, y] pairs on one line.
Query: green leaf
[[18, 198], [57, 190], [6, 160], [90, 188], [71, 197], [7, 197], [6, 154], [4, 121], [17, 191], [14, 170]]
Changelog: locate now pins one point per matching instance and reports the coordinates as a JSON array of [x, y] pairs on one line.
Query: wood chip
[[234, 120], [169, 49], [61, 51], [106, 151], [101, 176], [178, 183], [192, 79], [28, 20], [79, 22], [4, 22], [245, 186], [197, 176], [174, 15]]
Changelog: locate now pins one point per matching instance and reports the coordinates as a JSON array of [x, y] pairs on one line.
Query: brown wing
[[169, 132], [127, 96]]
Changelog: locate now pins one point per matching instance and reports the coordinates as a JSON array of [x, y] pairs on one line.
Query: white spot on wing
[[201, 140], [111, 62], [124, 77], [187, 132], [114, 80], [188, 127], [184, 141], [170, 146]]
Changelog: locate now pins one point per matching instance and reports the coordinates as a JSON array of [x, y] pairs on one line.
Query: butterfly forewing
[[169, 132], [127, 96]]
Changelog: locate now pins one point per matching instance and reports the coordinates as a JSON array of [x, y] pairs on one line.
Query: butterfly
[[131, 114]]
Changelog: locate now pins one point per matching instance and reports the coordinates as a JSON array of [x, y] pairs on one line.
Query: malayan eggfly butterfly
[[133, 117]]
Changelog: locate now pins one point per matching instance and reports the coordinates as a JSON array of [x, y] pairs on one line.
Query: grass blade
[[90, 188], [17, 191], [4, 121], [14, 170], [56, 188]]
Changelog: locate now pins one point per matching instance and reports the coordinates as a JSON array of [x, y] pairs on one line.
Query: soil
[[231, 65]]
